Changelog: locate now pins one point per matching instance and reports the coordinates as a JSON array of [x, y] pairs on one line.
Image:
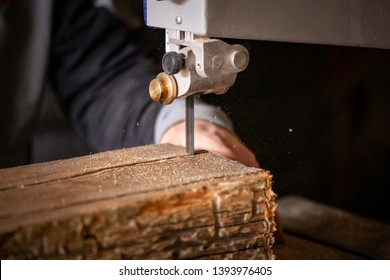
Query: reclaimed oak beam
[[151, 202]]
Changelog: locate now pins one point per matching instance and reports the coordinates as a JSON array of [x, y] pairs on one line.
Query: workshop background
[[316, 116]]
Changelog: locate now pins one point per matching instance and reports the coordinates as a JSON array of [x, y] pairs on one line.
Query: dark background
[[316, 116]]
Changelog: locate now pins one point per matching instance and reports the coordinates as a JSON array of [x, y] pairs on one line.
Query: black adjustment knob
[[172, 62]]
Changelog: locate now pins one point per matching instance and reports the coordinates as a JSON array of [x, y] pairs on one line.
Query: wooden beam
[[298, 248], [335, 228], [152, 202]]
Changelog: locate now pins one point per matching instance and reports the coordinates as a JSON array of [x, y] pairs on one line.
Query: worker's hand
[[212, 138]]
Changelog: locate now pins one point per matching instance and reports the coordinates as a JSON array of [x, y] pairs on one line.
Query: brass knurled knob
[[163, 88]]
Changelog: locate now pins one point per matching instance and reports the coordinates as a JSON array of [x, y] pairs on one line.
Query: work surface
[[178, 206], [317, 231]]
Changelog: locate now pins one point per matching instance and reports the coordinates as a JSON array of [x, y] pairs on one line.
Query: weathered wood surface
[[318, 231], [152, 202]]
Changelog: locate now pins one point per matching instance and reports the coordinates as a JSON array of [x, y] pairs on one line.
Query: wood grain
[[298, 248], [153, 202]]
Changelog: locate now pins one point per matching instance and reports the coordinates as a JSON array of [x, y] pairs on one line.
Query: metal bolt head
[[178, 20], [239, 60]]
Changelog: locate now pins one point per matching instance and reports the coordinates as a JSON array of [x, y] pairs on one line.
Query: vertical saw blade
[[190, 124]]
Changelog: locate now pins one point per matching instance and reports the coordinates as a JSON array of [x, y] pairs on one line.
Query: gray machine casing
[[364, 23]]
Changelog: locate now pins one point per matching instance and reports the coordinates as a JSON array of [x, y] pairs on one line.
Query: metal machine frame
[[195, 63], [364, 23]]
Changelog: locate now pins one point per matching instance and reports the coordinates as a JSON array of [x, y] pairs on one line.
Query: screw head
[[178, 20]]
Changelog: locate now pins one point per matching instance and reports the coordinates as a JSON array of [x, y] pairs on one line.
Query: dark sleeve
[[102, 74]]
